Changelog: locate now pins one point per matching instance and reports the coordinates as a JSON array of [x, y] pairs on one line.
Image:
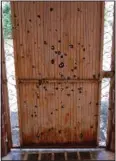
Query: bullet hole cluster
[[80, 89]]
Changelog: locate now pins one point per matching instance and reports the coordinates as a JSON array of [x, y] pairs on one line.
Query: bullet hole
[[15, 15], [78, 43], [33, 66], [59, 41], [59, 131], [51, 113], [29, 20], [65, 54], [68, 78], [32, 115], [68, 94], [49, 130], [70, 45], [35, 106], [61, 65], [79, 98], [34, 42], [56, 30], [17, 24], [66, 87], [52, 47], [56, 88], [78, 9], [72, 90], [45, 88], [62, 106], [61, 56], [62, 89], [94, 76], [58, 52], [90, 103], [38, 16], [83, 49], [72, 70], [45, 42], [97, 103], [74, 76], [80, 88], [75, 67], [91, 127], [83, 58], [37, 96], [22, 56], [80, 92], [81, 135], [56, 109], [34, 112], [51, 9], [52, 61], [40, 82], [27, 31]]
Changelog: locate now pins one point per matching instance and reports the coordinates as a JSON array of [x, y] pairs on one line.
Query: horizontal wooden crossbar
[[41, 81]]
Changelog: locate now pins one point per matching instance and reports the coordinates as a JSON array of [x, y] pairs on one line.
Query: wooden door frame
[[111, 110], [5, 112]]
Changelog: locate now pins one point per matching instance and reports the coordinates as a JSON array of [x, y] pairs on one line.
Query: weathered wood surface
[[5, 118], [58, 41]]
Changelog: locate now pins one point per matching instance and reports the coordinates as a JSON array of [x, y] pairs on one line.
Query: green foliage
[[6, 19]]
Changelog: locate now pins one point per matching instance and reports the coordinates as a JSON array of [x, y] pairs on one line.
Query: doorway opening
[[10, 72], [106, 66]]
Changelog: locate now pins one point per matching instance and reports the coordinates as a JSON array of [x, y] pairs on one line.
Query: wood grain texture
[[58, 42], [6, 139]]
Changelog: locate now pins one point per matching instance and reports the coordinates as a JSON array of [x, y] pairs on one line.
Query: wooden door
[[57, 58]]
